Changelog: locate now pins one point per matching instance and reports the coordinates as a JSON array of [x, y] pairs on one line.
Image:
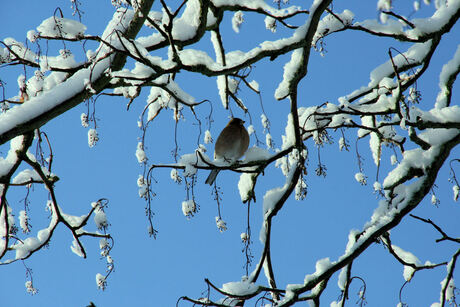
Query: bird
[[231, 145]]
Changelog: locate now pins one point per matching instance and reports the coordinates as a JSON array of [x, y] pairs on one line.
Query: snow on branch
[[387, 109]]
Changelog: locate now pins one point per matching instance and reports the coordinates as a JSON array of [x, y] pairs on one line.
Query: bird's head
[[236, 121]]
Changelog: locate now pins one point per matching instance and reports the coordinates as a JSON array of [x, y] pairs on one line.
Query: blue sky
[[157, 272]]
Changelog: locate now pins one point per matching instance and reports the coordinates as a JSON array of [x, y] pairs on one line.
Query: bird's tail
[[212, 176]]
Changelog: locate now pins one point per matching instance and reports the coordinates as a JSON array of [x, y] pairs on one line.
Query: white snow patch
[[239, 288]]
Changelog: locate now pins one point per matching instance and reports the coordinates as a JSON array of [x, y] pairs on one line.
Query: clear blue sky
[[157, 272]]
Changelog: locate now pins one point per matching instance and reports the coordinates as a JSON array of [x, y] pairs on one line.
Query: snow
[[246, 186], [32, 36], [35, 84], [37, 81], [290, 68], [269, 140], [178, 92], [232, 85], [237, 21], [342, 280], [339, 120], [270, 23], [140, 153], [434, 200], [90, 55], [154, 110], [156, 96], [389, 27], [61, 27], [438, 115], [361, 178], [456, 190], [239, 288], [100, 218], [265, 122], [300, 189], [221, 224], [73, 85], [187, 24], [84, 120], [143, 187], [93, 137], [329, 24], [434, 23], [30, 288], [322, 265], [449, 68], [289, 295], [375, 144], [6, 165], [289, 136], [272, 197], [258, 5], [255, 85], [351, 244], [256, 154], [447, 71], [17, 48], [415, 158], [24, 221], [197, 57], [342, 143], [251, 129], [3, 232], [10, 217], [383, 17], [43, 234], [26, 176], [207, 137], [100, 281], [413, 55], [217, 50], [175, 176], [21, 81], [384, 5], [283, 163], [189, 161], [450, 290], [221, 80], [309, 121], [103, 244], [126, 91], [385, 84], [221, 85], [76, 249], [189, 208], [246, 178], [409, 258], [24, 248], [393, 160]]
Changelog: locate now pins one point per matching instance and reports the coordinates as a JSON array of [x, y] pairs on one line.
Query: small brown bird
[[231, 145]]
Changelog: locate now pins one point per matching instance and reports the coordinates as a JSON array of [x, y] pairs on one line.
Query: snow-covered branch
[[159, 47]]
